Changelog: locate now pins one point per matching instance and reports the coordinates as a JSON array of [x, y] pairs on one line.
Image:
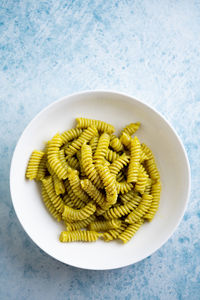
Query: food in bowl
[[99, 185]]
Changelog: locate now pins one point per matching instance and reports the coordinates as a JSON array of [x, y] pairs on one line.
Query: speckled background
[[149, 49]]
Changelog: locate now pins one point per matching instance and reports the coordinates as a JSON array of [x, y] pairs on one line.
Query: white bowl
[[119, 110]]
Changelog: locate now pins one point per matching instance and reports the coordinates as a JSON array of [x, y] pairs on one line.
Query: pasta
[[54, 158], [97, 184], [116, 145], [133, 167], [75, 184], [50, 206], [102, 148], [140, 210], [56, 200], [100, 125], [88, 165], [33, 164], [85, 136], [79, 235], [131, 128], [72, 214], [130, 231], [104, 225]]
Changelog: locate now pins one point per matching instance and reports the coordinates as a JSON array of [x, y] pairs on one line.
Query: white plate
[[119, 110]]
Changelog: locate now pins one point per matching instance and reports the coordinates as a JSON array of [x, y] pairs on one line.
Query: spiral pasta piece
[[148, 186], [85, 136], [131, 128], [155, 192], [93, 143], [55, 199], [130, 231], [71, 214], [73, 200], [75, 184], [58, 185], [63, 160], [132, 197], [71, 134], [123, 187], [133, 167], [100, 125], [112, 155], [140, 210], [150, 164], [113, 234], [79, 235], [33, 164], [80, 224], [119, 163], [50, 206], [104, 225], [120, 176], [42, 169], [125, 140], [88, 166], [94, 193], [119, 211], [143, 157], [54, 159], [116, 145], [73, 162], [109, 183], [102, 148], [142, 180]]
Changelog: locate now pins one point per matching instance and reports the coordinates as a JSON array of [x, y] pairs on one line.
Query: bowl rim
[[113, 92]]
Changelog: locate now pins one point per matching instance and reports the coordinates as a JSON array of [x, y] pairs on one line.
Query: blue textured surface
[[149, 49]]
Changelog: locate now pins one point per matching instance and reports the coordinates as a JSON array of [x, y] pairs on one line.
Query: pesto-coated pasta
[[104, 225], [85, 136], [79, 235], [71, 134], [55, 199], [112, 155], [133, 167], [75, 184], [116, 145], [100, 125], [109, 182], [54, 158], [94, 193], [72, 198], [50, 206], [140, 210], [72, 214], [58, 185], [33, 164], [119, 163], [80, 224], [155, 192], [93, 143], [130, 231], [131, 128], [41, 172], [123, 187], [113, 234], [98, 184], [102, 148], [88, 165]]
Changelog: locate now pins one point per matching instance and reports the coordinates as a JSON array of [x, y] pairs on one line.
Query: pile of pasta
[[98, 184]]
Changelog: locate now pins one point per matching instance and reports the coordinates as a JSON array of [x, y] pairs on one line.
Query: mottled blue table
[[149, 49]]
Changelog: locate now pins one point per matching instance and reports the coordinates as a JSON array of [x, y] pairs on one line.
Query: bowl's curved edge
[[65, 98]]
